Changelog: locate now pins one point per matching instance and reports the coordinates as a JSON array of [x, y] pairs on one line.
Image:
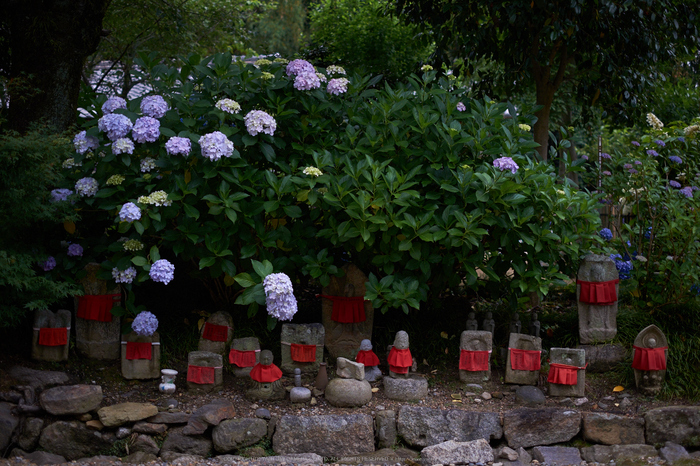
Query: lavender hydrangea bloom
[[297, 67], [633, 171], [83, 143], [228, 106], [674, 184], [337, 86], [652, 152], [624, 268], [660, 143], [112, 104], [606, 173], [178, 146], [257, 121], [115, 125], [129, 212], [124, 276], [48, 264], [461, 107], [75, 250], [154, 106], [637, 162], [676, 159], [681, 139], [606, 234], [687, 191], [279, 296], [146, 129], [162, 271], [635, 143], [605, 155], [307, 81], [60, 194], [86, 187], [506, 163], [216, 145], [627, 166], [123, 146], [145, 324]]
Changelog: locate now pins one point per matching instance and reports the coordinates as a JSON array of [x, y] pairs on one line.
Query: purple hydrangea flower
[[606, 173], [145, 324], [632, 171], [48, 264], [75, 250], [687, 191], [297, 67], [337, 86], [83, 143], [162, 271], [676, 159], [130, 212], [112, 104], [695, 188], [279, 296], [86, 187], [506, 163], [584, 157], [660, 143], [637, 162], [146, 129], [154, 106], [60, 194], [624, 268], [124, 276], [461, 107], [123, 146], [115, 125], [635, 143], [647, 234], [606, 234], [674, 184], [627, 166], [306, 81], [257, 121], [178, 146], [652, 152], [681, 139], [605, 155], [215, 145]]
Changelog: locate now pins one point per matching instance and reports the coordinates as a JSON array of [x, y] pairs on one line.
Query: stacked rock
[[350, 390], [399, 385]]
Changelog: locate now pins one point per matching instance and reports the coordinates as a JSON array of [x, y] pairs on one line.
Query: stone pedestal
[[222, 319], [46, 319], [522, 342], [650, 382], [343, 340], [206, 359], [141, 368], [94, 339], [413, 388], [597, 322], [475, 340], [245, 344], [570, 357], [301, 334]]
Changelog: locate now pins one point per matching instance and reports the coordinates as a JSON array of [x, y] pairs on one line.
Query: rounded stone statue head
[[489, 315], [471, 316], [401, 340], [266, 357], [534, 316], [651, 342], [365, 345]]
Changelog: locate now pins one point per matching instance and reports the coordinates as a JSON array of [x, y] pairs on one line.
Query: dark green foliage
[[281, 29]]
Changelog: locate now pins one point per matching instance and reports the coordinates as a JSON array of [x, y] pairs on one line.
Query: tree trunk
[[544, 96], [49, 42]]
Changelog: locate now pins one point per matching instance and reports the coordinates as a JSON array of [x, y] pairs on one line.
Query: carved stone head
[[365, 345], [401, 340], [266, 357]]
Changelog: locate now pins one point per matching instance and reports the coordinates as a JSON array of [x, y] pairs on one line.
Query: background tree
[[281, 29]]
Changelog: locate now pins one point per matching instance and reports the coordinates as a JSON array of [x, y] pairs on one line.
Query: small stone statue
[[367, 357], [515, 324], [400, 359], [649, 354], [471, 322], [489, 324], [297, 377], [535, 326], [266, 379], [299, 394], [400, 385]]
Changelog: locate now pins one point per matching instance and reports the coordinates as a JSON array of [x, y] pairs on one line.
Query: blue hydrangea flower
[[162, 271], [676, 159], [112, 104], [307, 81], [624, 267], [115, 125], [123, 146], [652, 152], [681, 139], [606, 234], [146, 129], [660, 143], [86, 187], [461, 107], [633, 171], [178, 146], [506, 163], [687, 191], [83, 143], [154, 106], [75, 250], [605, 155], [674, 184], [279, 296], [635, 143], [48, 264], [215, 145], [60, 194], [257, 121], [647, 234], [696, 289], [145, 324], [339, 86], [297, 67], [130, 212], [124, 276]]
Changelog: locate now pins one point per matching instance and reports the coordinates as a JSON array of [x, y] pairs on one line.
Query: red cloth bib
[[214, 332], [97, 306], [649, 359], [200, 375], [400, 360], [603, 293], [303, 353], [138, 350], [53, 336], [265, 374], [563, 374], [473, 361], [368, 358], [242, 358], [347, 309], [524, 360]]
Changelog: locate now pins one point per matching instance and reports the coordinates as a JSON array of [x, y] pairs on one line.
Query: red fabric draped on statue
[[524, 360], [563, 374], [265, 374], [97, 306], [473, 361], [649, 359], [368, 358], [347, 309], [603, 293], [200, 375], [400, 360], [242, 358], [53, 336], [214, 332], [303, 353], [138, 350]]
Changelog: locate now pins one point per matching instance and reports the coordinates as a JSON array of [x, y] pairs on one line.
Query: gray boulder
[[385, 428], [557, 455], [146, 444], [233, 434], [677, 424], [38, 380], [451, 452], [422, 427], [29, 433], [39, 457], [529, 395], [178, 444], [529, 427], [413, 388], [348, 393], [210, 414], [610, 429], [72, 440], [329, 435], [672, 452], [8, 424], [169, 418], [122, 413], [608, 453], [71, 399]]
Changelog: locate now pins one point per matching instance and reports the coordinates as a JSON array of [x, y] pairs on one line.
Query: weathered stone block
[[413, 388], [301, 334], [71, 399], [245, 344], [328, 435], [569, 357], [141, 368], [529, 427], [223, 319], [122, 413], [597, 323], [677, 424], [422, 427], [44, 318], [474, 340], [233, 434], [206, 359], [451, 452], [611, 429], [348, 393], [522, 342]]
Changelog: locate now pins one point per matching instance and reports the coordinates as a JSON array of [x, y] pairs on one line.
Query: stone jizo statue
[[489, 325], [535, 326], [400, 359], [367, 357], [471, 322]]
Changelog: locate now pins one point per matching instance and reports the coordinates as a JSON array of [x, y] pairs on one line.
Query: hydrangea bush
[[254, 173]]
